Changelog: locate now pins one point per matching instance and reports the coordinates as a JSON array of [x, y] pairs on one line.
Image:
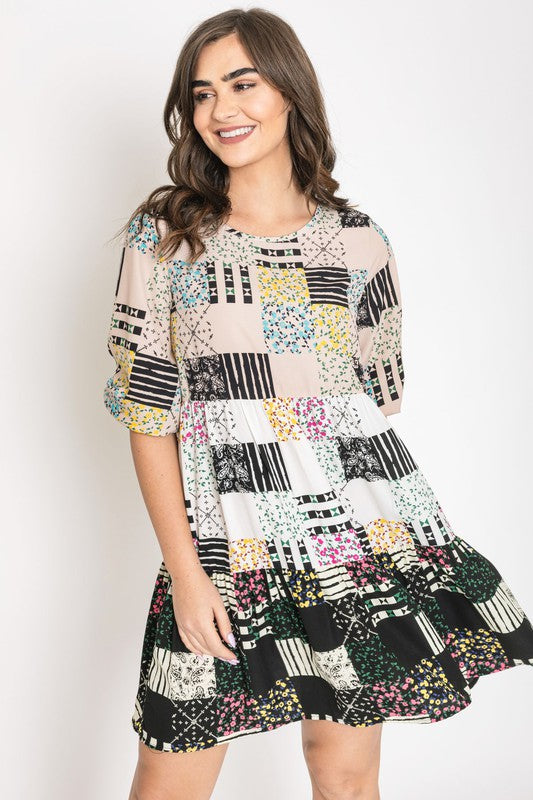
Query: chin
[[237, 161]]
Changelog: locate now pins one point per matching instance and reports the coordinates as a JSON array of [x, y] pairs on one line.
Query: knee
[[147, 793], [347, 783], [344, 787], [138, 794], [145, 790]]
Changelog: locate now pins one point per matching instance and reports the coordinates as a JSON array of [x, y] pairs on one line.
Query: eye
[[240, 86], [199, 97]]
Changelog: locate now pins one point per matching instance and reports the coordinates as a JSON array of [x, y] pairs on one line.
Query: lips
[[235, 133], [234, 128]]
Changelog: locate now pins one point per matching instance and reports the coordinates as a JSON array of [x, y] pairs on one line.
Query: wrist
[[186, 563]]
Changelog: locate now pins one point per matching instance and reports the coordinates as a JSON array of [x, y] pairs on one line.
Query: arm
[[379, 322], [144, 391], [144, 394], [157, 468], [196, 600]]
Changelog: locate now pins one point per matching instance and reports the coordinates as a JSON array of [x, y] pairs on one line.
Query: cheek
[[267, 110], [199, 119]]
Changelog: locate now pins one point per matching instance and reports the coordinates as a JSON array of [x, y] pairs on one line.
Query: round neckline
[[317, 212]]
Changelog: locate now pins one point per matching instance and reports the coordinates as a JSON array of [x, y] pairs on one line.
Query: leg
[[175, 776], [343, 761]]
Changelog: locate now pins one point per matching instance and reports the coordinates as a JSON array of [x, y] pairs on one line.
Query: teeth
[[236, 132]]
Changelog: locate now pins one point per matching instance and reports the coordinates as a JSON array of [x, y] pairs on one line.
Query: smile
[[236, 135]]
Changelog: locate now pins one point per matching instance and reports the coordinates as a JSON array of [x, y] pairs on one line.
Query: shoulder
[[363, 237], [142, 233], [147, 232]]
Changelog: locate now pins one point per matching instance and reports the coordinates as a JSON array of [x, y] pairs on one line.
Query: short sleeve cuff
[[139, 417]]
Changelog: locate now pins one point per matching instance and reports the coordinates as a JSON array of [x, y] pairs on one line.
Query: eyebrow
[[235, 74]]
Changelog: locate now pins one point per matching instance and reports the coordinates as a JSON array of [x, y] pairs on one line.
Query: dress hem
[[421, 719]]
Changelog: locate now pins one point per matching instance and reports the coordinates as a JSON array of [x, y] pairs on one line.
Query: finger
[[224, 625], [199, 645], [191, 647], [191, 643], [215, 644]]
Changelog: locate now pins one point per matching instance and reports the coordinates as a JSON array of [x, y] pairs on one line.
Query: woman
[[309, 572]]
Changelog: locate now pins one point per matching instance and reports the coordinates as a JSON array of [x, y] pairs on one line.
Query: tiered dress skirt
[[351, 597]]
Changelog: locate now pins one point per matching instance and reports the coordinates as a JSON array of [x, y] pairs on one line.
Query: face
[[228, 95]]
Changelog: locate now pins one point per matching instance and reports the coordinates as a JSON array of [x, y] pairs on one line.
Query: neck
[[265, 190]]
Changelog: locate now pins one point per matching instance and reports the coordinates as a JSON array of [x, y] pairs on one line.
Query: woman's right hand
[[197, 606]]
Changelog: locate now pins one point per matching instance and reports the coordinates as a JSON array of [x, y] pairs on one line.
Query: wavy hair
[[196, 202]]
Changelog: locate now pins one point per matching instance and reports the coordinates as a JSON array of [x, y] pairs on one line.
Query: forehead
[[218, 58]]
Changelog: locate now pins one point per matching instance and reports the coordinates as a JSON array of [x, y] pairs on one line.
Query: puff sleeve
[[143, 392], [379, 324]]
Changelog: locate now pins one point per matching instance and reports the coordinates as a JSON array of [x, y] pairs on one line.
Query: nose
[[224, 107]]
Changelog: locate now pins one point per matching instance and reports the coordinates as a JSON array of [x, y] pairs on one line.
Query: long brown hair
[[196, 201]]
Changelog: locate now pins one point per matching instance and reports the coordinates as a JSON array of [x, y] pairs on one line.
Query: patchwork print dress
[[276, 362]]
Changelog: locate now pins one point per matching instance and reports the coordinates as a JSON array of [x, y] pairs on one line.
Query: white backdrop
[[430, 108]]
